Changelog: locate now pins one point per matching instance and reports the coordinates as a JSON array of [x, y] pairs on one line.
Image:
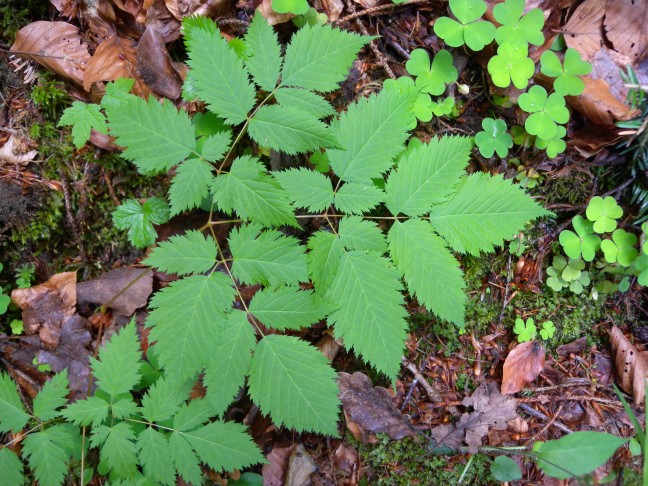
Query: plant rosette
[[516, 26], [546, 112], [603, 213], [567, 82], [511, 64], [620, 249], [432, 77], [526, 331], [493, 138], [467, 29], [583, 243], [553, 146]]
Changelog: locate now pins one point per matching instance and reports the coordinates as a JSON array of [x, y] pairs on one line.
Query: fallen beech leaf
[[599, 105], [12, 152], [346, 458], [155, 66], [67, 8], [332, 8], [584, 29], [626, 27], [108, 286], [47, 306], [300, 466], [630, 365], [522, 365], [370, 409], [56, 46], [575, 347], [274, 471], [184, 8]]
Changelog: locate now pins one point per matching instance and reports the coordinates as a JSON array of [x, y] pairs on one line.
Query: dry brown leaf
[[300, 466], [56, 46], [184, 8], [626, 27], [274, 471], [630, 365], [599, 105], [67, 8], [47, 306], [584, 29], [522, 365], [273, 17], [14, 151], [346, 458], [155, 66], [332, 8], [115, 285], [370, 410]]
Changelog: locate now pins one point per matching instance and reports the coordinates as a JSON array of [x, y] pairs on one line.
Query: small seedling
[[604, 213], [567, 82], [584, 243], [546, 112], [526, 331], [522, 137], [17, 326], [516, 245], [443, 108], [25, 276], [516, 25], [511, 64], [555, 145], [311, 17], [43, 368], [467, 29], [432, 77], [620, 248], [563, 273], [494, 138], [139, 219], [297, 7], [548, 330], [83, 117]]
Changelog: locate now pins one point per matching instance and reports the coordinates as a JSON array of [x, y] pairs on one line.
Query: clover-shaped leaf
[[434, 78], [494, 138], [641, 266], [516, 25], [4, 302], [584, 243], [525, 331], [297, 7], [620, 248], [418, 63], [423, 107], [548, 330], [567, 82], [577, 286], [555, 145], [445, 107], [311, 17], [603, 212], [573, 269], [511, 64], [546, 112], [522, 137], [555, 281], [466, 29]]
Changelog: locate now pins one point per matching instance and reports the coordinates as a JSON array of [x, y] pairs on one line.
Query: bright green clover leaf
[[4, 302], [555, 281], [546, 112], [511, 64], [603, 212], [423, 107], [548, 330], [466, 31], [563, 273], [555, 145], [17, 326], [522, 137], [297, 7], [434, 79], [311, 17], [573, 269], [494, 138], [577, 286], [525, 331], [444, 107], [567, 82], [641, 265], [516, 25], [620, 248], [584, 243], [418, 63]]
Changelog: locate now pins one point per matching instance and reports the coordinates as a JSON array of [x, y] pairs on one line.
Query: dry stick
[[542, 416], [506, 289], [432, 393], [377, 10]]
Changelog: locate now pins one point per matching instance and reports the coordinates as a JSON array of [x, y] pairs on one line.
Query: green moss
[[50, 96], [574, 189]]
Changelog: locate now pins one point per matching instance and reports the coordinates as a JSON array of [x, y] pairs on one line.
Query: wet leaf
[[124, 290], [522, 365], [155, 66], [631, 367]]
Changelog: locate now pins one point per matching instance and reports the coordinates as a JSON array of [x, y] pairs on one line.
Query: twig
[[377, 10], [432, 393], [382, 60], [542, 416]]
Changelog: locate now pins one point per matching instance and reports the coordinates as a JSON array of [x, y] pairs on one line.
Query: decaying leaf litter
[[450, 395]]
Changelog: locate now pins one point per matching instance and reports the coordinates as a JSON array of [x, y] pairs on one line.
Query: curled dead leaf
[[155, 66], [599, 105], [630, 365], [184, 8], [522, 365], [14, 151]]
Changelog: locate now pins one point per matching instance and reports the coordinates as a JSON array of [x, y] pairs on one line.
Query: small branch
[[380, 10], [542, 416]]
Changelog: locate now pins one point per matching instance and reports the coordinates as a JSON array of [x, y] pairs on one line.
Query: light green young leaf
[[266, 257], [323, 258], [467, 29], [358, 198], [516, 26], [314, 46], [214, 64], [304, 100], [295, 384], [290, 130], [83, 117], [118, 451], [12, 413], [264, 60], [161, 401], [370, 316], [372, 131], [427, 175], [253, 194], [190, 185], [185, 321], [52, 396], [191, 252], [226, 371], [215, 146], [485, 211], [90, 411], [356, 233], [431, 272], [306, 188], [287, 308], [139, 219], [155, 457], [47, 453], [11, 468]]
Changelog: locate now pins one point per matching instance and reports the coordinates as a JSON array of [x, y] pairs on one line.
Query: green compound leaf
[[466, 31], [185, 321], [306, 188], [372, 131], [294, 383], [47, 453], [314, 46], [191, 252], [192, 415], [485, 211], [124, 408], [214, 63], [90, 411], [83, 117], [358, 198], [11, 468], [546, 112], [156, 135], [582, 243], [356, 233], [215, 146], [266, 257], [12, 414], [604, 213], [323, 259], [118, 451], [525, 331], [369, 314], [431, 272], [297, 7], [253, 193], [184, 458], [161, 401], [432, 78], [511, 64], [139, 219], [406, 87], [494, 138], [290, 130], [620, 248], [567, 82], [155, 457], [226, 371], [304, 100], [555, 145], [427, 175], [287, 308], [190, 186], [264, 59], [52, 396], [516, 25]]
